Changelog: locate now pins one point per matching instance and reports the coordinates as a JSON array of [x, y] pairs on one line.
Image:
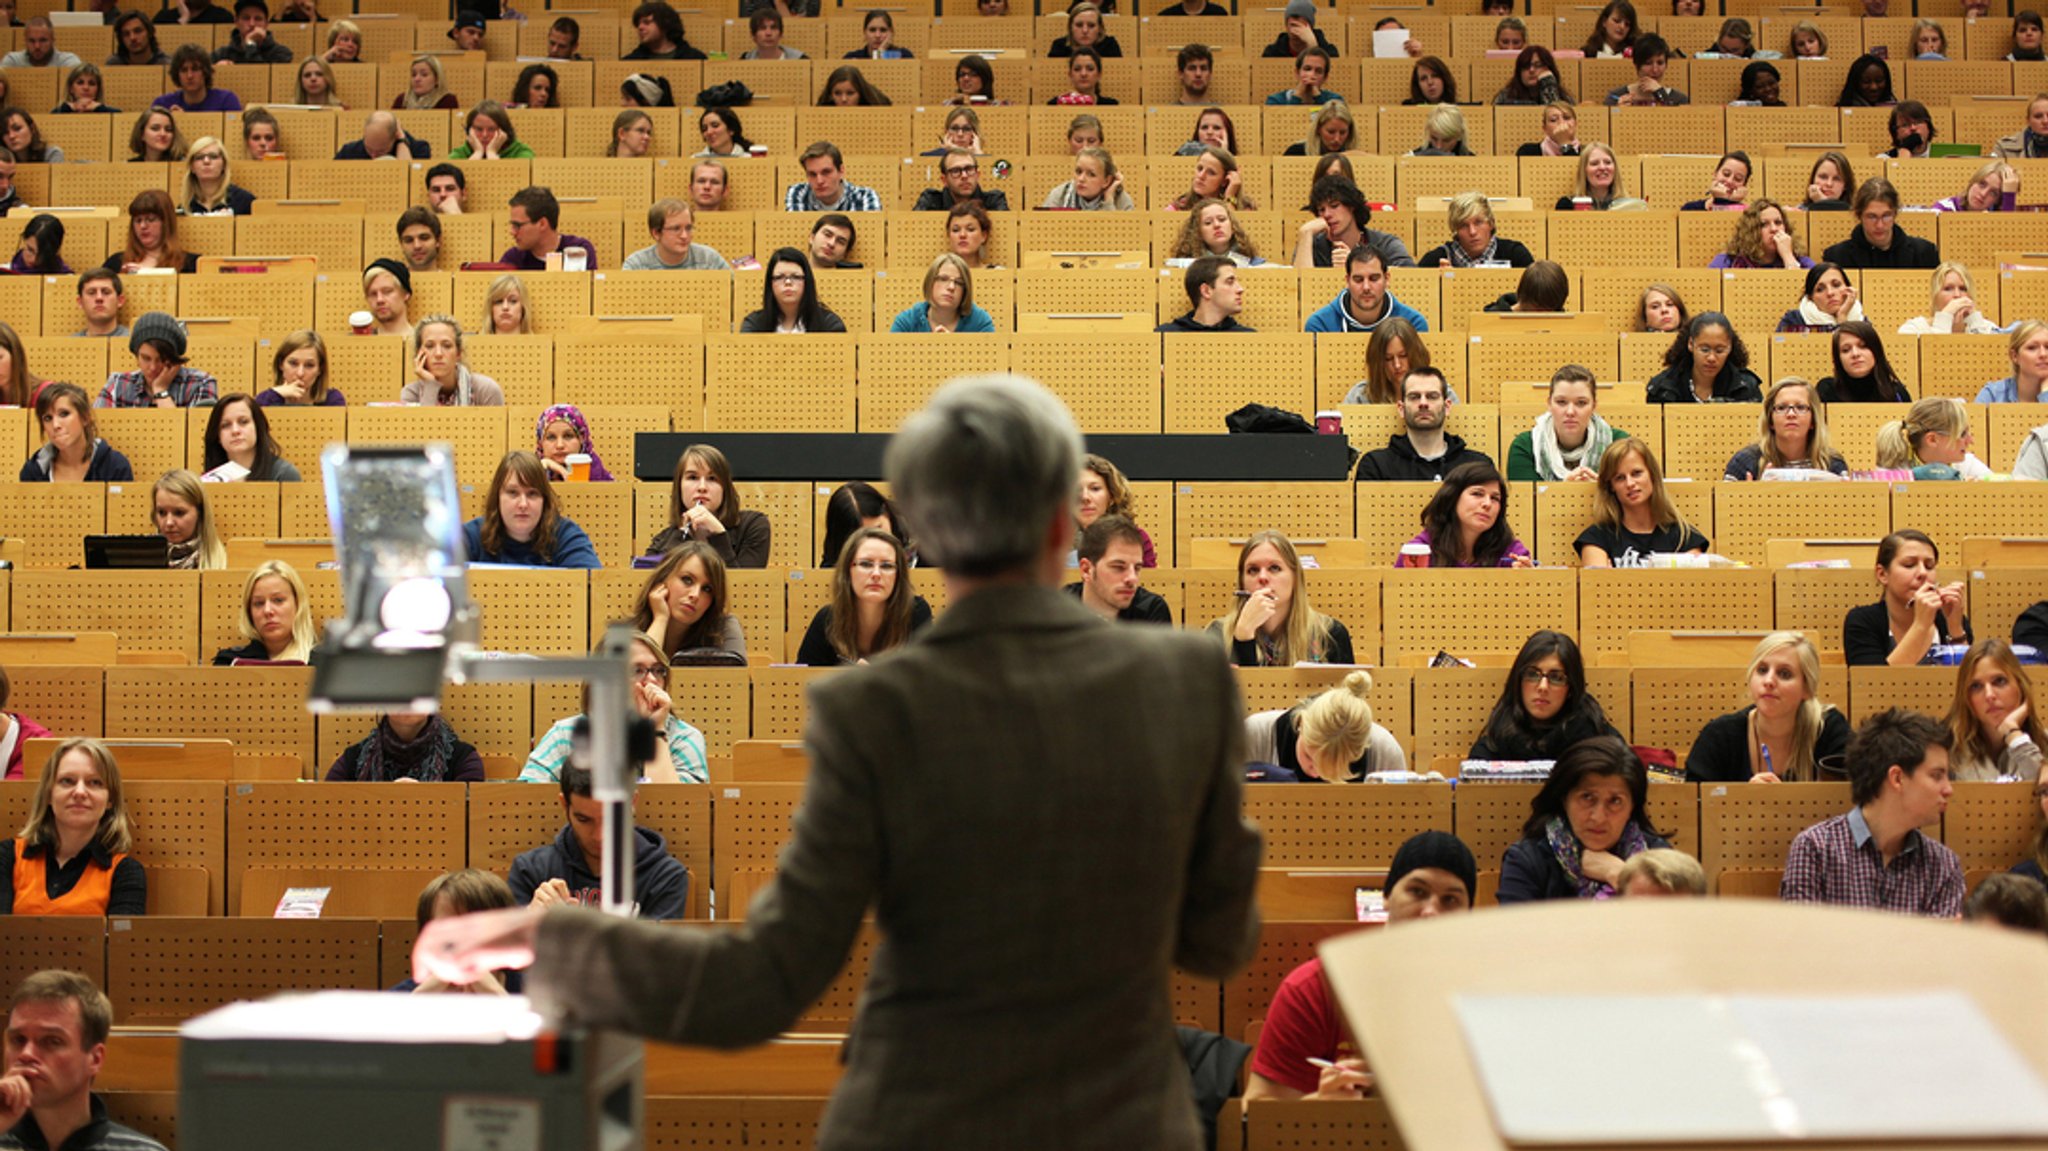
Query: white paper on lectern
[[1390, 43], [372, 1017], [1746, 1069]]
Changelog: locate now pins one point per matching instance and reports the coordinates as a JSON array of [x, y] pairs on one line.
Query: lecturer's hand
[[462, 949]]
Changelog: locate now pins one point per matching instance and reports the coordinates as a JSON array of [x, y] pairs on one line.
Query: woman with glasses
[[684, 761], [948, 304], [1793, 434], [1544, 705], [789, 299], [872, 608]]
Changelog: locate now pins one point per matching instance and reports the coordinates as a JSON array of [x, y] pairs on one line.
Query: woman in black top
[[277, 618], [1273, 624], [1544, 706], [704, 505], [1786, 733], [1633, 516], [1583, 825], [873, 608], [1084, 30], [1914, 615], [1707, 363], [1863, 373], [789, 298]]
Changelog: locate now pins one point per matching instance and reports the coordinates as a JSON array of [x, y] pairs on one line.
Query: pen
[[1322, 1063], [1768, 769]]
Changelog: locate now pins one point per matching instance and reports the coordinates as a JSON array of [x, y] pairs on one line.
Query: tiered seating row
[[1239, 77], [1434, 711]]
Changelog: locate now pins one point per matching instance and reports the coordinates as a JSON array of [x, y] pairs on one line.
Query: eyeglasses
[[966, 171], [1792, 409], [1536, 675], [886, 567], [788, 277], [648, 673]]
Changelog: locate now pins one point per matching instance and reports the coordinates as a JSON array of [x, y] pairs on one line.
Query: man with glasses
[[960, 174], [1878, 241], [671, 223], [536, 245]]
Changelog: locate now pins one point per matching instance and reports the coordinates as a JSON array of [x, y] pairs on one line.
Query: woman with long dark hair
[[873, 608], [1586, 822], [789, 298], [1544, 706]]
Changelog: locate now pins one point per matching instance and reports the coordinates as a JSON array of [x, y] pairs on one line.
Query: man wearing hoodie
[[566, 871], [1365, 301], [1301, 33], [1423, 452]]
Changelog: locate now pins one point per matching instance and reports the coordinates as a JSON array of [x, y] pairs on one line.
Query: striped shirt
[[685, 750], [1837, 861]]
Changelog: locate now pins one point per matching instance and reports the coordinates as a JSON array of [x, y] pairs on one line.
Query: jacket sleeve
[[747, 541], [525, 877], [130, 893], [1521, 880], [816, 650], [573, 548], [1805, 878], [2032, 627], [2032, 462], [1522, 458], [1340, 644], [669, 895], [1219, 920], [1864, 639], [736, 988], [1711, 759], [1834, 735]]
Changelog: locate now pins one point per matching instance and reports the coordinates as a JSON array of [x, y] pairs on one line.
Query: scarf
[[1460, 260], [1813, 315], [1565, 848], [460, 397], [2031, 145], [184, 556], [574, 418], [386, 757], [1554, 462], [1553, 148], [1064, 197]]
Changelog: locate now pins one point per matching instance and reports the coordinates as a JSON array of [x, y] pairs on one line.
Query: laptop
[[134, 553]]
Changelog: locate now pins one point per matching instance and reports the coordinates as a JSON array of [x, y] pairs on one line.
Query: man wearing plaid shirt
[[161, 378], [825, 188], [1875, 856]]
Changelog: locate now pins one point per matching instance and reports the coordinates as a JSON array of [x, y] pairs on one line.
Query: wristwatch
[[154, 396]]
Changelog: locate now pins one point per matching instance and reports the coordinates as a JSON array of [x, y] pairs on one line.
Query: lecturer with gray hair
[[1042, 812]]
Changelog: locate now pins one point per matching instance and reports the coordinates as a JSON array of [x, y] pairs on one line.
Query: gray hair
[[984, 470]]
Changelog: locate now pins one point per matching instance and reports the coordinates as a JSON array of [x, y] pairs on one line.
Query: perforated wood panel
[[1451, 709], [605, 513], [50, 518], [1990, 825], [1700, 438], [1206, 379], [1494, 363], [147, 611], [1109, 381], [304, 512], [151, 438], [756, 597], [706, 295], [1614, 602], [59, 357], [797, 385], [1428, 610], [1465, 290], [495, 718], [1753, 827], [1748, 516], [1390, 513], [789, 510], [260, 709], [1302, 1125], [1952, 512], [1813, 601], [1343, 826], [357, 827], [781, 702], [276, 302], [1282, 948], [164, 971], [114, 184], [750, 825], [241, 510], [67, 700], [32, 943], [1208, 510], [1999, 595], [538, 611], [1349, 595], [477, 433], [1928, 690]]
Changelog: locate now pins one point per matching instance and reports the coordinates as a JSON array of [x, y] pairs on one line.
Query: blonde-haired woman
[[505, 310], [1212, 229], [1951, 305], [1792, 433], [1273, 624], [77, 820], [1443, 133], [1329, 737], [2027, 348], [948, 304], [321, 92], [426, 87], [1096, 187], [1932, 442], [1633, 516], [440, 377], [1994, 731], [1598, 184], [1473, 240], [1785, 734], [276, 619], [1216, 178], [1332, 129], [209, 191], [178, 509]]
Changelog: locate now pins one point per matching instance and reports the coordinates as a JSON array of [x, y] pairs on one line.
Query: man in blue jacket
[[566, 871], [1365, 301]]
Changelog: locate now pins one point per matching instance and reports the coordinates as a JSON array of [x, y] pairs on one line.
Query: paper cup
[[1329, 423], [362, 323], [579, 466], [1413, 556]]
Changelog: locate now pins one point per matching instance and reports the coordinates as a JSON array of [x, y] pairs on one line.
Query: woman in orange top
[[72, 856]]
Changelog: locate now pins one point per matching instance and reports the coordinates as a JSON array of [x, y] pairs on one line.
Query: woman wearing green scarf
[[1569, 438]]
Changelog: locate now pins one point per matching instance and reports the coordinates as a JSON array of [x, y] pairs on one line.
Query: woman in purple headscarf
[[561, 432]]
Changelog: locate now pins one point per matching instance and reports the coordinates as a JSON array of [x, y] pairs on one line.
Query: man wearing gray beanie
[[161, 378], [1301, 33], [1305, 1050]]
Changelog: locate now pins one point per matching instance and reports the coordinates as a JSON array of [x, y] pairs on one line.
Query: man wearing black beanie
[[1432, 874]]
